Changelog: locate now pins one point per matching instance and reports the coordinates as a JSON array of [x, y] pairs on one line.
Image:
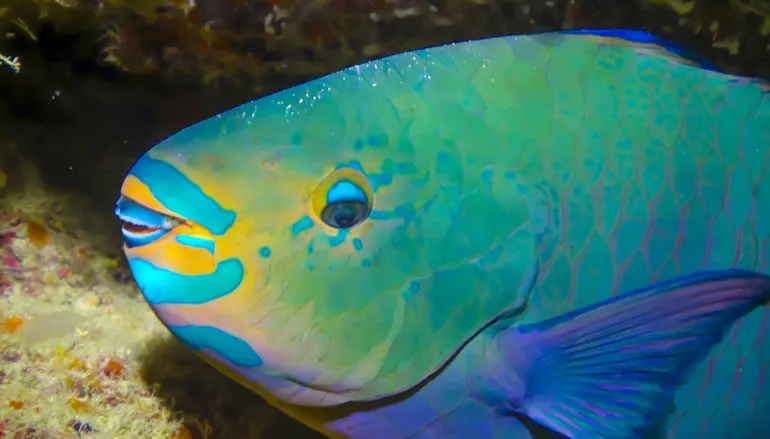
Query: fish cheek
[[182, 269]]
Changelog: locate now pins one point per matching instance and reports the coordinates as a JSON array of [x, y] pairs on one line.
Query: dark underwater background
[[86, 86]]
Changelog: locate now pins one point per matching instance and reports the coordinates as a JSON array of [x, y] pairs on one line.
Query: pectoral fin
[[611, 370]]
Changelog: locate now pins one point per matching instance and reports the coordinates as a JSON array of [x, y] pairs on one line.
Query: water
[[97, 86]]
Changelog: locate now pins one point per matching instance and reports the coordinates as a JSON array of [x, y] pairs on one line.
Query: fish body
[[562, 228]]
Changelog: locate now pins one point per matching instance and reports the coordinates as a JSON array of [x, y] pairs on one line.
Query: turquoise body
[[652, 168], [563, 171]]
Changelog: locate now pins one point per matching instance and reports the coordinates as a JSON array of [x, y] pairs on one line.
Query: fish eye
[[343, 200], [351, 209]]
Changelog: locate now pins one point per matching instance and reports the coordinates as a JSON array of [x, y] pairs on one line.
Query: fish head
[[327, 243]]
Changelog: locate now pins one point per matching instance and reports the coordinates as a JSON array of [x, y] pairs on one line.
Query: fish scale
[[714, 206], [564, 227], [690, 190]]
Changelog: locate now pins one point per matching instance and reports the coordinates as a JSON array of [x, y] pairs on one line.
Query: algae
[[87, 85]]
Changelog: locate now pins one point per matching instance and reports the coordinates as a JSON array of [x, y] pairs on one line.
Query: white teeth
[[136, 234], [168, 222], [135, 222], [132, 232]]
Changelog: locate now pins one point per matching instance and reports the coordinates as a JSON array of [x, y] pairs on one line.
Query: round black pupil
[[345, 215]]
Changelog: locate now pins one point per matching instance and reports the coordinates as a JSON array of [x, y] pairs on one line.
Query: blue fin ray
[[611, 370]]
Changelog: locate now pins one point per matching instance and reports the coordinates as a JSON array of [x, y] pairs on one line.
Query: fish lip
[[142, 225], [152, 218]]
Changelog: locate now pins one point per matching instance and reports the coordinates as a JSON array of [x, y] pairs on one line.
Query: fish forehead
[[340, 113], [476, 154], [383, 113]]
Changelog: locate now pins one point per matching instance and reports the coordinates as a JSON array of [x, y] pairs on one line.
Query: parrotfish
[[565, 232]]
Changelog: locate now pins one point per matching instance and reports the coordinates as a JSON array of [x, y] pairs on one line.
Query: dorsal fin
[[644, 41]]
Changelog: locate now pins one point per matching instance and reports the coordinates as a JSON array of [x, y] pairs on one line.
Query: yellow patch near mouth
[[168, 253], [135, 189]]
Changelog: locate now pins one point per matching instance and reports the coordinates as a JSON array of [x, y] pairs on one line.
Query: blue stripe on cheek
[[228, 346], [196, 242], [161, 286], [180, 195]]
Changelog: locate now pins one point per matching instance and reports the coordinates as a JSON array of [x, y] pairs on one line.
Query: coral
[[81, 353], [64, 320], [10, 61], [248, 40], [734, 11], [738, 28], [726, 20]]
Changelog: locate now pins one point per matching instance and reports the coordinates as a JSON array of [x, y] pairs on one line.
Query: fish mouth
[[142, 225], [138, 229]]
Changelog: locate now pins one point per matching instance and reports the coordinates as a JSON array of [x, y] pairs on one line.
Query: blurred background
[[86, 86]]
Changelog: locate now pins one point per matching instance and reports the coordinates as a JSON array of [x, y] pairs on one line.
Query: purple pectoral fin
[[611, 370]]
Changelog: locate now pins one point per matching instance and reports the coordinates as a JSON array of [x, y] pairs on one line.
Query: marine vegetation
[[246, 40], [565, 228], [81, 353]]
